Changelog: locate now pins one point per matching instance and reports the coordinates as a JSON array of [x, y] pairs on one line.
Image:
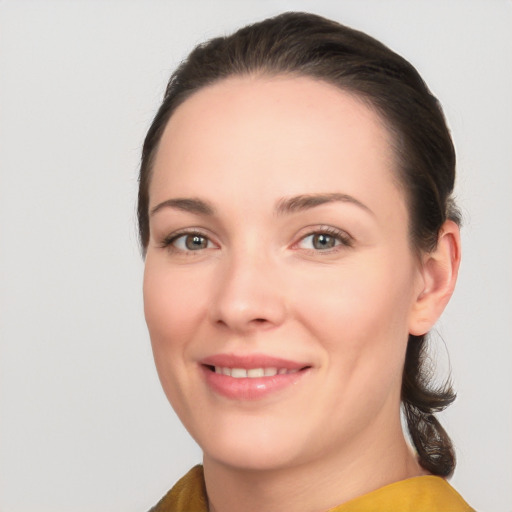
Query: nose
[[249, 294]]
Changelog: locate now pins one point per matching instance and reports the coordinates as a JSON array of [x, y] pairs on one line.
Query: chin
[[253, 449], [252, 459]]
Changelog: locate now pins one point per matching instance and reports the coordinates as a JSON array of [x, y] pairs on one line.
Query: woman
[[300, 240]]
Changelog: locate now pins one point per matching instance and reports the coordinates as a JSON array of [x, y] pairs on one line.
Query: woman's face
[[280, 285]]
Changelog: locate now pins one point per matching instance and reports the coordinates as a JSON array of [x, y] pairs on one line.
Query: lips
[[250, 377]]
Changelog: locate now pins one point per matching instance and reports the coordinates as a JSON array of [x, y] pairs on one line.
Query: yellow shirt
[[419, 494]]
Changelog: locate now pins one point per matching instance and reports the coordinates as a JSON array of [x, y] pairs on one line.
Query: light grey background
[[84, 425]]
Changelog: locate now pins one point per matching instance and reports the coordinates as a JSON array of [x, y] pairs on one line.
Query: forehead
[[292, 135]]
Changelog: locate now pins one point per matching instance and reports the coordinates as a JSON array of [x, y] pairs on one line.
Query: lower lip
[[250, 388]]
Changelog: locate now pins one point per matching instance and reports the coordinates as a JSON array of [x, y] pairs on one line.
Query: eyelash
[[168, 241], [344, 239]]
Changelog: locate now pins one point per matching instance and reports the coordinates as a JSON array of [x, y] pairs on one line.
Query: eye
[[319, 242], [188, 242], [324, 240]]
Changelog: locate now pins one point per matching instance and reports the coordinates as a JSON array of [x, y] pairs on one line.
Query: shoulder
[[188, 494], [419, 494]]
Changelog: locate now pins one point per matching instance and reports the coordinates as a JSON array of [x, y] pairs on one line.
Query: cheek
[[173, 304], [361, 309]]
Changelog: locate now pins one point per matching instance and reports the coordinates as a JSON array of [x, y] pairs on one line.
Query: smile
[[251, 377], [253, 373]]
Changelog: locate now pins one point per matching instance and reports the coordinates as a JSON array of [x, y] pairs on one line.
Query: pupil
[[323, 242], [195, 242]]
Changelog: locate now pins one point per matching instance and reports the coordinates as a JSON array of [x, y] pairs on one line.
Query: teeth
[[253, 373], [238, 373]]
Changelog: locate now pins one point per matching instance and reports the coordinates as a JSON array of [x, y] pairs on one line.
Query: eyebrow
[[283, 206], [191, 205], [307, 201]]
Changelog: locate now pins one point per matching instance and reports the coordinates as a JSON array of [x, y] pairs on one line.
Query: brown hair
[[303, 44]]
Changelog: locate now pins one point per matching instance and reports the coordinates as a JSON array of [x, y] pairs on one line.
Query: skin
[[260, 284]]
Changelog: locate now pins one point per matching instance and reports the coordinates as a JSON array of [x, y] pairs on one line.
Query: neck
[[314, 486]]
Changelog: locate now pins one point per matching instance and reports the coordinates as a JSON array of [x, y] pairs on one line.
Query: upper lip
[[251, 361]]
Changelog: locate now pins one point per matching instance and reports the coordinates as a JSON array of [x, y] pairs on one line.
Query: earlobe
[[439, 274]]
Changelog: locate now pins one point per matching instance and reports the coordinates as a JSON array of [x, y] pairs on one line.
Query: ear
[[438, 270]]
